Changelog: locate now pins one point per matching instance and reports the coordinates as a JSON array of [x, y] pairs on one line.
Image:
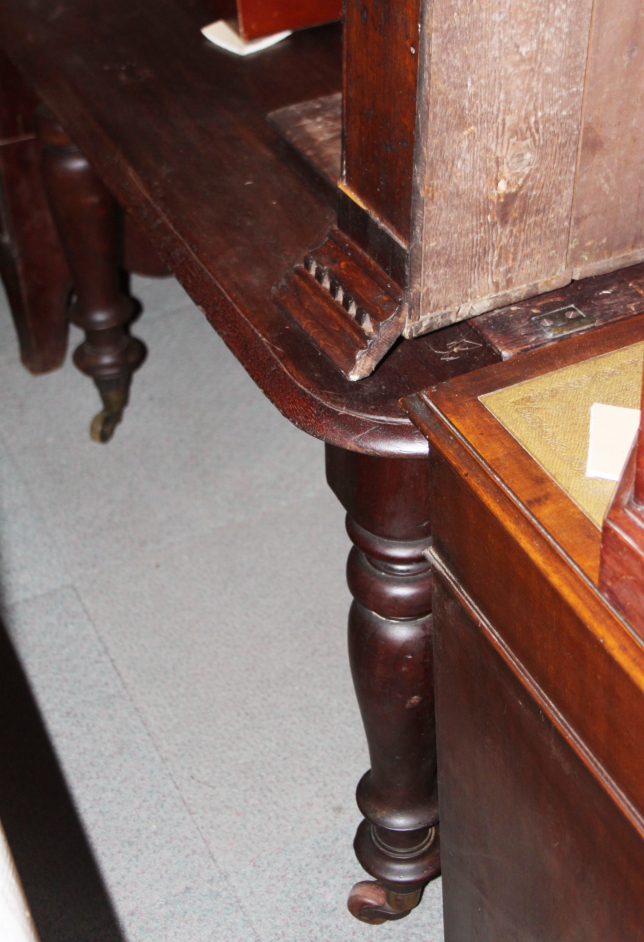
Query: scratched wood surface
[[503, 87], [608, 228], [603, 299], [314, 129]]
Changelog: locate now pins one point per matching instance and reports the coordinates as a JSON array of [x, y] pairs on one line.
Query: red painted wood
[[257, 18], [638, 488]]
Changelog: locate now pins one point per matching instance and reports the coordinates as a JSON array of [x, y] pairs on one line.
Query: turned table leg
[[90, 226], [387, 503]]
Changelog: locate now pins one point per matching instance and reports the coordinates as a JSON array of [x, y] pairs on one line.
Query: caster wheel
[[368, 903], [103, 425]]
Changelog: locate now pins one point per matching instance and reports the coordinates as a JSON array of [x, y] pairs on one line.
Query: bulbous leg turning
[[90, 225], [390, 650]]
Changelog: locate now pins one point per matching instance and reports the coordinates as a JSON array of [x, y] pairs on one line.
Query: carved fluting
[[346, 303], [90, 227], [390, 649], [341, 295]]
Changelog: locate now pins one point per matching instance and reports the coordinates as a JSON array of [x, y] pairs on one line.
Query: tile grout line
[[176, 542], [222, 871]]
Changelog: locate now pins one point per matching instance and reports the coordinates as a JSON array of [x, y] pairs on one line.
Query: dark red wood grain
[[88, 221], [612, 297], [638, 487], [390, 649], [380, 79], [621, 570]]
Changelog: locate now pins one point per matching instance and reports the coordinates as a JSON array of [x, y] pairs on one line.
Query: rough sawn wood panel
[[502, 101]]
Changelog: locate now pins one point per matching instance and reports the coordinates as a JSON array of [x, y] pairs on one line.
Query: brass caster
[[114, 395], [103, 426], [370, 902]]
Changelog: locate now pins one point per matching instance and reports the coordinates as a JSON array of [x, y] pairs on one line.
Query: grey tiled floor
[[177, 599]]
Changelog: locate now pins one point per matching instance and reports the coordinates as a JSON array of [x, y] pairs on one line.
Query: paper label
[[613, 430], [222, 35]]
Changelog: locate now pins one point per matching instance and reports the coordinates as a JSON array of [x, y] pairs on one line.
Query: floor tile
[[159, 296], [233, 647], [144, 839], [299, 895], [31, 559], [199, 447], [9, 349]]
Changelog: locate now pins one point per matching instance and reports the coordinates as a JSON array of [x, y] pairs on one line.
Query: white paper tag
[[612, 432], [221, 34]]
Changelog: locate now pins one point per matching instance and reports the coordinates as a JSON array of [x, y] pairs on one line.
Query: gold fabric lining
[[550, 417]]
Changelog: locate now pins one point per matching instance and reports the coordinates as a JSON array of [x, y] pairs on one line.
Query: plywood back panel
[[503, 91], [608, 225]]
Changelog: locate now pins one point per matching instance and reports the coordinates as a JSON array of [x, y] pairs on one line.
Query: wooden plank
[[607, 298], [17, 103], [501, 105], [314, 129], [608, 225], [32, 264]]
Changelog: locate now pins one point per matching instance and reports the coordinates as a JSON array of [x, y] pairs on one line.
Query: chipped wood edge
[[469, 309], [607, 265], [390, 330]]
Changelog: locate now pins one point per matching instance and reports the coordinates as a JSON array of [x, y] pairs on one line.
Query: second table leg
[[89, 222]]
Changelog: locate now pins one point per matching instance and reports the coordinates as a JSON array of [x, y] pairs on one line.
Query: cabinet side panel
[[532, 846], [380, 74], [608, 228], [504, 104]]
